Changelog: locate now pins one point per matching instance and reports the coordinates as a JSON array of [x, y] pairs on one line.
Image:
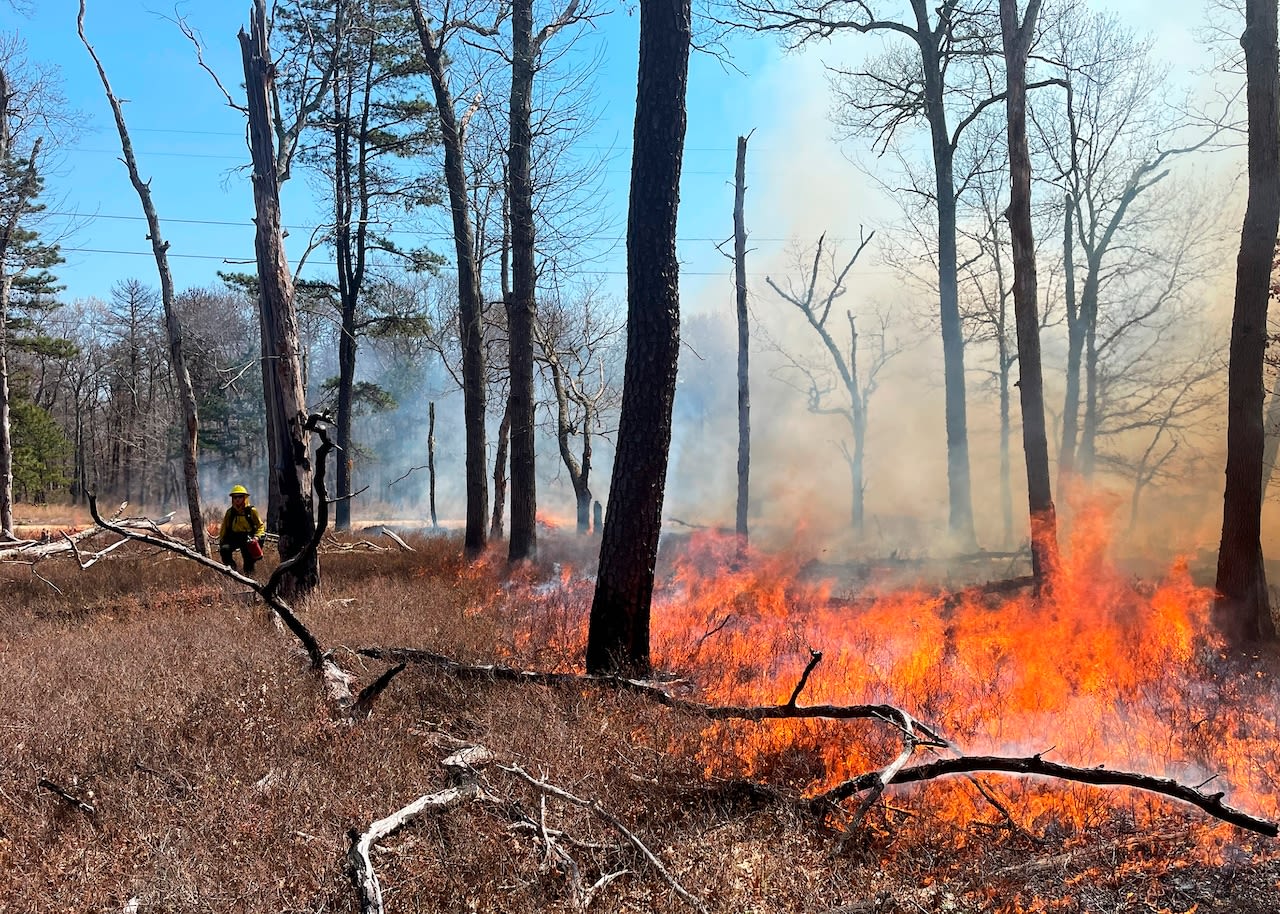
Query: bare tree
[[618, 635], [1242, 609], [577, 348], [1109, 143], [436, 43], [744, 339], [938, 77], [173, 327], [812, 379]]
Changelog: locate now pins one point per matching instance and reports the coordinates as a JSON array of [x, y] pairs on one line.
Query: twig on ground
[[613, 821], [66, 795], [359, 858]]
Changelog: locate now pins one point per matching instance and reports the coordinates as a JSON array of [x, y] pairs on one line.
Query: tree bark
[[285, 396], [521, 304], [1241, 609], [470, 308], [1075, 346], [498, 522], [431, 461], [618, 636], [744, 340], [959, 485], [1044, 528], [173, 327]]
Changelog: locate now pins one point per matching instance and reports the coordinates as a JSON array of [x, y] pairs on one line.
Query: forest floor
[[165, 748]]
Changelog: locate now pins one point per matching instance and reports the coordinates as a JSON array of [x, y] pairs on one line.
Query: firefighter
[[242, 529]]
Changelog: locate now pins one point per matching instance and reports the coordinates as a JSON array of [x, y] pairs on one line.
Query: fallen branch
[[1037, 766], [613, 821], [337, 681], [68, 796], [359, 858], [395, 538], [915, 733], [96, 557]]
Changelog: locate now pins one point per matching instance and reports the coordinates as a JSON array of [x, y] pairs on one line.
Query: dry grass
[[221, 781]]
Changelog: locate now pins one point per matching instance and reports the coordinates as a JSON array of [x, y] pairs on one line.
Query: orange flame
[[1102, 670]]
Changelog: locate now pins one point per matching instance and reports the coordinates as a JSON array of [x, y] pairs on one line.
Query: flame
[[1103, 670]]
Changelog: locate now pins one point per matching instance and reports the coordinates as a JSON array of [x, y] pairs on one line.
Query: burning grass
[[220, 780]]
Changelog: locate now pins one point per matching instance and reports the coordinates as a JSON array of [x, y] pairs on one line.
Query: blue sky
[[190, 143]]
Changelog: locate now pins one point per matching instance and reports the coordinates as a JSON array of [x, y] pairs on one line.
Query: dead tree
[[173, 328], [744, 339], [285, 395], [574, 348], [431, 461], [1242, 609], [857, 386]]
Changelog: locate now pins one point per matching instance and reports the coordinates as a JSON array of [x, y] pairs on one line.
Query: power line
[[248, 261], [426, 233]]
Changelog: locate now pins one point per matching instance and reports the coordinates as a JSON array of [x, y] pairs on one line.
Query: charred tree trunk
[[173, 328], [470, 307], [285, 396], [521, 305], [1242, 609], [500, 475], [618, 637], [744, 340], [431, 462], [1035, 445]]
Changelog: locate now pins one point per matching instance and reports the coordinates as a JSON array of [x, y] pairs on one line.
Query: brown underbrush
[[165, 748]]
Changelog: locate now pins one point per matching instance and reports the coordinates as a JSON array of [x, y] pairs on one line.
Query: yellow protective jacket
[[244, 523]]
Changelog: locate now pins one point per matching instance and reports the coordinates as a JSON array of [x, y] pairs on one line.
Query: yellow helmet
[[239, 490]]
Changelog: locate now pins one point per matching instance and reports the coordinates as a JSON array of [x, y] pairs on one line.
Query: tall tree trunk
[[285, 396], [618, 636], [1006, 432], [1086, 455], [173, 328], [1035, 445], [470, 309], [431, 462], [6, 439], [523, 542], [744, 339], [858, 421], [348, 269], [1241, 609], [1075, 347], [582, 488], [960, 499]]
